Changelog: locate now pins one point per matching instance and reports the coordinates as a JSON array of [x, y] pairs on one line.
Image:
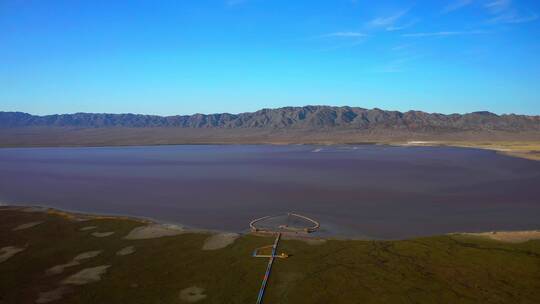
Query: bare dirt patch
[[218, 241], [126, 251], [102, 234], [60, 268], [153, 231], [53, 295], [8, 252], [76, 261], [192, 294], [87, 255], [87, 275], [86, 228], [510, 236], [26, 226]]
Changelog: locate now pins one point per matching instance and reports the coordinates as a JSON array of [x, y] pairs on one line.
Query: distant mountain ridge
[[307, 117]]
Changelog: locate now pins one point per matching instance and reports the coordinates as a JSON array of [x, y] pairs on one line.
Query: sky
[[213, 56]]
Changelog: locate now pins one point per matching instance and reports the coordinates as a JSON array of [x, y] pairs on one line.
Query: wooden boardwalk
[[278, 230], [268, 269]]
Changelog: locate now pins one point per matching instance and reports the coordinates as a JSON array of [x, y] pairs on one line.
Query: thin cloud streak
[[514, 18], [345, 35], [394, 28], [498, 6], [456, 5], [443, 34], [505, 13], [387, 21]]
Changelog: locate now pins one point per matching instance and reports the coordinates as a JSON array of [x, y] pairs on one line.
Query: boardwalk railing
[[268, 269], [273, 255]]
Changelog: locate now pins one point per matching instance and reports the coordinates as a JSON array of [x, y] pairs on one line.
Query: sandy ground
[[218, 241], [87, 275], [524, 149], [88, 228], [26, 226], [126, 251], [76, 261], [154, 231], [8, 252], [102, 234], [509, 236], [192, 294]]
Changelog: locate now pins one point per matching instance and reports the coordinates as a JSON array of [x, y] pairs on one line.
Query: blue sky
[[207, 56]]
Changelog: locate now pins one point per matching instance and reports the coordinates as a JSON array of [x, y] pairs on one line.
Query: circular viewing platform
[[289, 222]]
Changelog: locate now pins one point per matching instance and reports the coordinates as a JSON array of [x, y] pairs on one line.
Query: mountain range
[[289, 125], [303, 118]]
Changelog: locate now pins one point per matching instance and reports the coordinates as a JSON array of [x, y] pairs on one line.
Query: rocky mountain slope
[[304, 118]]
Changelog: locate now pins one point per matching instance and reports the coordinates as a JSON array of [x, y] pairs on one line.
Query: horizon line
[[268, 108]]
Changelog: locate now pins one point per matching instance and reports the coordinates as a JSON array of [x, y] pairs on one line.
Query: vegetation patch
[[442, 269]]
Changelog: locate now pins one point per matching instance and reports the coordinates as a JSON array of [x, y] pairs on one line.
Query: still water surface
[[355, 191]]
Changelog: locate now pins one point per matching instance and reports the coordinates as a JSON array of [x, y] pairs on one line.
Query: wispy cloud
[[388, 21], [443, 34], [456, 5], [501, 11], [345, 35], [514, 18], [498, 6], [400, 27], [504, 12]]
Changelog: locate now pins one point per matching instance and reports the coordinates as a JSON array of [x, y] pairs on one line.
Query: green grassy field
[[442, 269]]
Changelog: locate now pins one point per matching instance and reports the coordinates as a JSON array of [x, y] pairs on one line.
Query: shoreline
[[46, 257], [510, 236], [524, 150], [529, 150], [86, 216]]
